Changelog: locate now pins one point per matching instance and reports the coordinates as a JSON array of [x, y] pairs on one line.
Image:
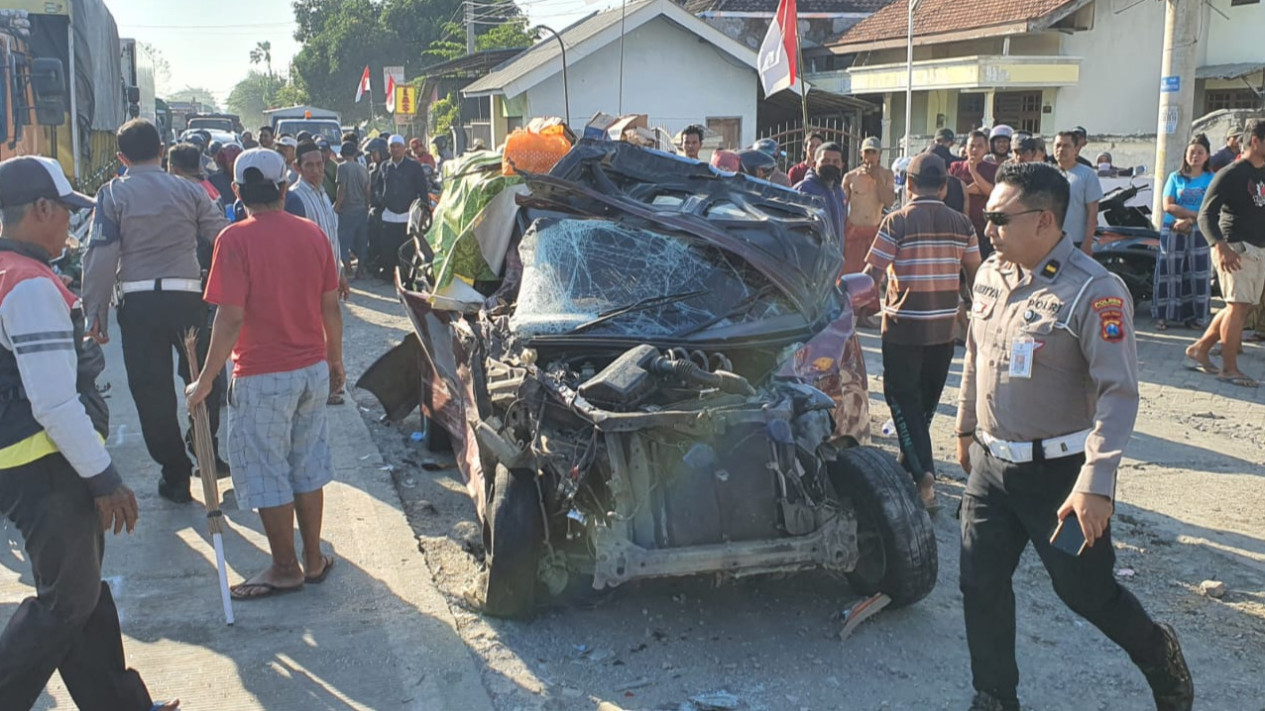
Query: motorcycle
[[1128, 244]]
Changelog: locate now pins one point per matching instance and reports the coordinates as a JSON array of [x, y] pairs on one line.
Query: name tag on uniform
[[1021, 351]]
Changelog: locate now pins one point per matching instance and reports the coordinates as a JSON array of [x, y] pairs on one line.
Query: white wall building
[[676, 69], [1045, 65]]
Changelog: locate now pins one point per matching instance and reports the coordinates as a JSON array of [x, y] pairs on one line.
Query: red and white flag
[[363, 88], [779, 53], [390, 95]]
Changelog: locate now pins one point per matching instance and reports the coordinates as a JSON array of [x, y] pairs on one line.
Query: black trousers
[[1004, 507], [71, 625], [154, 324], [384, 248], [913, 379]]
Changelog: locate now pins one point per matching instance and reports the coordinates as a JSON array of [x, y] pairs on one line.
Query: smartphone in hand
[[1068, 536]]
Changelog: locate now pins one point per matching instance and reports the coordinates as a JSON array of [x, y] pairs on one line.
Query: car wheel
[[897, 543], [515, 534]]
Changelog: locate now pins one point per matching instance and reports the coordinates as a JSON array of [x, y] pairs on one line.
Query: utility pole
[[1177, 93], [469, 26]]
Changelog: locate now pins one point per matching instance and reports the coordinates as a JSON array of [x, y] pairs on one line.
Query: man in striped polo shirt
[[920, 249]]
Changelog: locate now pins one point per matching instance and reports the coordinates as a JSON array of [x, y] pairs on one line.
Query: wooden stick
[[204, 449]]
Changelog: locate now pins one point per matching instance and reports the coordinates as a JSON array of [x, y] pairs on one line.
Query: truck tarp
[[98, 67]]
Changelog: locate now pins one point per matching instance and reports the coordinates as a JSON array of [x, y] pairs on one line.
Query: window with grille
[[1217, 99]]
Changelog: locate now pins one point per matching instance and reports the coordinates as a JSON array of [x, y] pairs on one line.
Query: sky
[[208, 42]]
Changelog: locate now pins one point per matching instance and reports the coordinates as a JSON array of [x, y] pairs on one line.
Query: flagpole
[[803, 88]]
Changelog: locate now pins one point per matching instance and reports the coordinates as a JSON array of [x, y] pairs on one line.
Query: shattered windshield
[[602, 277]]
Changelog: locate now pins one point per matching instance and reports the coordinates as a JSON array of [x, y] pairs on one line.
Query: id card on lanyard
[[1021, 352]]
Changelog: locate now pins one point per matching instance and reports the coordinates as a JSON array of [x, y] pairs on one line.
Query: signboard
[[405, 100], [1171, 115], [1170, 85]]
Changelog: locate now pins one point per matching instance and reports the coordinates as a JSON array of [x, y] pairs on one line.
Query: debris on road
[[715, 701], [637, 684], [1125, 573], [1213, 588], [862, 611]]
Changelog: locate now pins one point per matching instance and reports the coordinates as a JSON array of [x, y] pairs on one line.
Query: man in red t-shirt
[[275, 281], [978, 176]]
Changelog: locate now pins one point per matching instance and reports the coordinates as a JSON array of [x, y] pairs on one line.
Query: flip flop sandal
[[269, 590], [1192, 364], [318, 579], [1161, 326], [1240, 380]]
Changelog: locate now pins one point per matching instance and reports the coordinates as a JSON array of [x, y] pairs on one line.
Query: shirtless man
[[870, 188]]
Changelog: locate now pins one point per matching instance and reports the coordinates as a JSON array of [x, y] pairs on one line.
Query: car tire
[[515, 535], [894, 531]]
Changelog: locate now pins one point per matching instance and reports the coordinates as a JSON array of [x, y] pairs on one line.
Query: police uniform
[[143, 254], [1050, 395]]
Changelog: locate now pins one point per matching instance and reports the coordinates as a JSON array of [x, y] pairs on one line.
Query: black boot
[[1171, 684], [985, 701]]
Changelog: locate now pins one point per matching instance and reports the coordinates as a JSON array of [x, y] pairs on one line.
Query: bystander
[[283, 327], [921, 249], [1085, 192]]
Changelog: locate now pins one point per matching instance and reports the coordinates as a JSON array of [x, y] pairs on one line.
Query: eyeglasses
[[1001, 219]]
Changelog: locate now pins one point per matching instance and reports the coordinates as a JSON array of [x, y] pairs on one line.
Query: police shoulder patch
[[1109, 302], [1110, 323]]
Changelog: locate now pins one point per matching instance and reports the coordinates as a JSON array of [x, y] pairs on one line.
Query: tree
[[162, 69], [262, 53], [341, 36], [199, 94], [259, 92]]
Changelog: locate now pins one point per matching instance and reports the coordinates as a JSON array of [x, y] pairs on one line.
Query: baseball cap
[[269, 163], [322, 144], [396, 140], [28, 178], [927, 166], [288, 141], [871, 144], [945, 134]]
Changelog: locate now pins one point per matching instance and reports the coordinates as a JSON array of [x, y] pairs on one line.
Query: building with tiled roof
[[1041, 65]]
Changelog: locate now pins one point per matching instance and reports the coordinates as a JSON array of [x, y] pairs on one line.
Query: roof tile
[[940, 16], [770, 6]]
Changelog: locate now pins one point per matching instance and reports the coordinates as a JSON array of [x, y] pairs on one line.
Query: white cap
[[396, 140], [288, 141], [265, 160]]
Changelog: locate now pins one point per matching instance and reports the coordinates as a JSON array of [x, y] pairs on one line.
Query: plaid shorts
[[278, 436]]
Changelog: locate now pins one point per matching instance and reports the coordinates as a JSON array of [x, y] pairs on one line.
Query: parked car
[[664, 380]]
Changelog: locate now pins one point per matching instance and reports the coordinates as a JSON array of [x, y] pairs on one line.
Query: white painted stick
[[218, 541]]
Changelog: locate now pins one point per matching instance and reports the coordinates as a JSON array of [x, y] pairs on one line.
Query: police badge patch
[[1111, 324]]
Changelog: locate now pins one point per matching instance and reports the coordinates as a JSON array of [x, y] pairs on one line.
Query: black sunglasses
[[1001, 219]]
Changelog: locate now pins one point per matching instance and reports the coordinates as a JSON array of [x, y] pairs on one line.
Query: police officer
[[1049, 398], [144, 242], [57, 482]]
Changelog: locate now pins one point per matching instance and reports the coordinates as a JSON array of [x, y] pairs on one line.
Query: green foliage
[[258, 92], [199, 94], [262, 54], [444, 114], [341, 36]]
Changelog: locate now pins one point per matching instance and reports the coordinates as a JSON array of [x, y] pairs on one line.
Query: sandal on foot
[[1240, 380], [1210, 369], [1161, 326], [320, 578], [269, 590]]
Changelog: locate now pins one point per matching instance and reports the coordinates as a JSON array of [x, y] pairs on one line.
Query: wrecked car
[[647, 368]]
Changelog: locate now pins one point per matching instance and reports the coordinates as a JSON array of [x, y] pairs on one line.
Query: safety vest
[[22, 438]]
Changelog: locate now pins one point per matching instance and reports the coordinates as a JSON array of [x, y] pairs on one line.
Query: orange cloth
[[857, 241]]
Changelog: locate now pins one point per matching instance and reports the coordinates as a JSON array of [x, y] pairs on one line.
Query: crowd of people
[[1004, 226], [251, 248]]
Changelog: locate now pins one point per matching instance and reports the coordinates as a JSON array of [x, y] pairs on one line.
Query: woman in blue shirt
[[1183, 271]]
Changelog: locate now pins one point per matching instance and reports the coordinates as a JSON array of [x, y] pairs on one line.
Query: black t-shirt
[[1234, 206]]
